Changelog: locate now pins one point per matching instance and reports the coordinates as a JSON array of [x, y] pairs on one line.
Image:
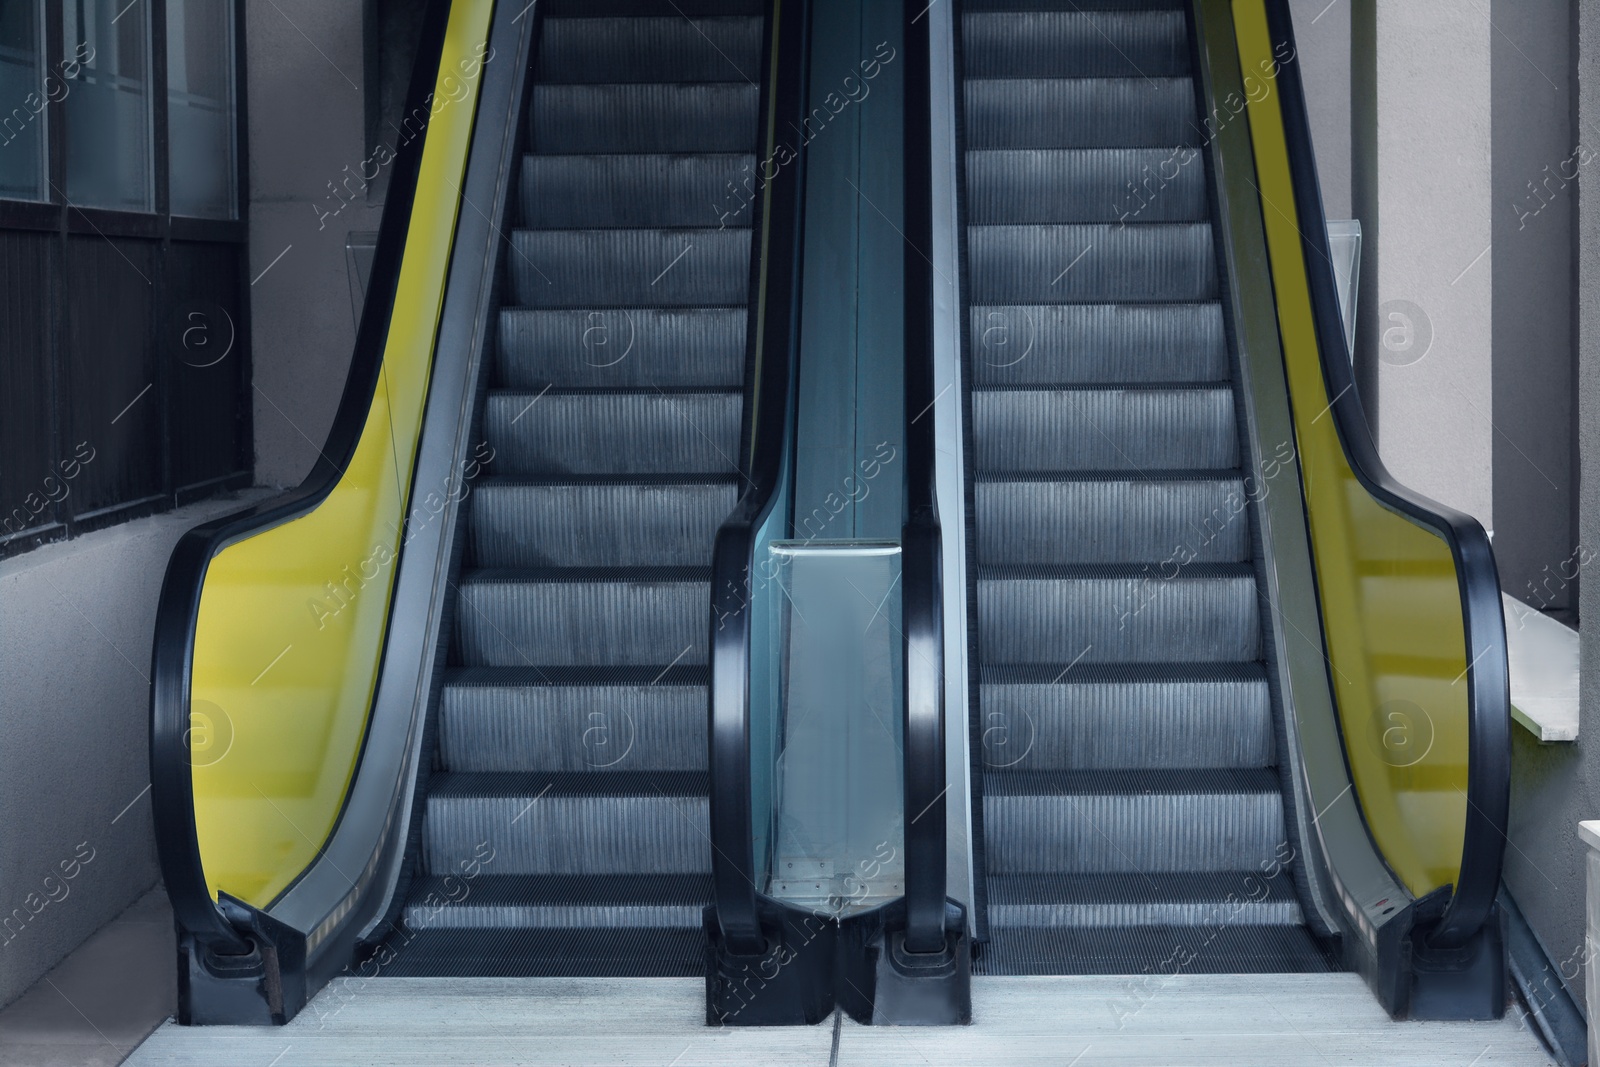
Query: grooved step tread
[[1153, 952], [1252, 781], [1084, 673], [1100, 571], [555, 889], [587, 481], [652, 784], [549, 953], [678, 674], [597, 575], [1137, 887]]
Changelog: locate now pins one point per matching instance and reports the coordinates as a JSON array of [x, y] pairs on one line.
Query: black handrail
[[772, 346], [1488, 685], [922, 563], [177, 613]]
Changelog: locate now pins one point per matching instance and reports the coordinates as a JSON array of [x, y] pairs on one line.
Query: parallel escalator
[[1133, 808], [569, 778]]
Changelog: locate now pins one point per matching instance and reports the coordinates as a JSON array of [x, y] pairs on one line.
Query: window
[[200, 108], [108, 104], [23, 102], [124, 341]]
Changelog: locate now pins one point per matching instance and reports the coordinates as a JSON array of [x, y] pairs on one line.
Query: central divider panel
[[821, 662]]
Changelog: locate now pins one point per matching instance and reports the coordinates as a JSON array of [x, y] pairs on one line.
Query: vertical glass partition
[[837, 699]]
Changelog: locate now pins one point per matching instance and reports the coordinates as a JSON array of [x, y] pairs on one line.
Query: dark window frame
[[172, 243]]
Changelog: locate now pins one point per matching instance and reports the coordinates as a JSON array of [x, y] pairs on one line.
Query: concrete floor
[[99, 1003], [1229, 1021]]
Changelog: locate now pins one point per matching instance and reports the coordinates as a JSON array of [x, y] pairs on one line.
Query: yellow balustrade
[[292, 619]]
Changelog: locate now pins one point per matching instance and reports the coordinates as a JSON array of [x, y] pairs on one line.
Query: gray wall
[[1535, 198], [307, 145], [1555, 786], [76, 622]]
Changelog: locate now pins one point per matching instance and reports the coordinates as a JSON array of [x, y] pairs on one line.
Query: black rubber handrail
[[1488, 685], [921, 560], [177, 613], [772, 347]]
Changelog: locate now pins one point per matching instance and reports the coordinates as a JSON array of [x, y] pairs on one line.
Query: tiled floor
[[1229, 1021], [99, 1004], [95, 1007]]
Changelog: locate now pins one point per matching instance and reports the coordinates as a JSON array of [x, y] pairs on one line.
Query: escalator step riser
[[1148, 951], [706, 117], [597, 525], [1057, 5], [1105, 430], [1111, 521], [1080, 113], [624, 623], [569, 835], [1213, 913], [1132, 725], [613, 433], [1077, 185], [1075, 44], [1146, 619], [573, 728], [1034, 344], [1130, 833], [554, 9], [1091, 263], [569, 192], [471, 916], [621, 348], [661, 49], [630, 268]]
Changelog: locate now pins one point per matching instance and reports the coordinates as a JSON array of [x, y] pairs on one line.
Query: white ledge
[[1543, 658]]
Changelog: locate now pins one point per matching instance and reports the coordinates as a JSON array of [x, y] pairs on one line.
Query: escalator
[[1119, 618], [1238, 699], [570, 772], [527, 679]]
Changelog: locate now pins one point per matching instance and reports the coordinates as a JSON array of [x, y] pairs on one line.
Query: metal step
[[1202, 613], [1075, 44], [1091, 263], [598, 823], [1080, 113], [1122, 822], [1046, 5], [629, 952], [613, 433], [557, 902], [575, 617], [1080, 344], [591, 269], [597, 524], [636, 191], [1104, 430], [1083, 716], [554, 9], [1067, 519], [1153, 955], [1231, 898], [494, 719], [623, 348], [698, 117], [1066, 185], [669, 48]]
